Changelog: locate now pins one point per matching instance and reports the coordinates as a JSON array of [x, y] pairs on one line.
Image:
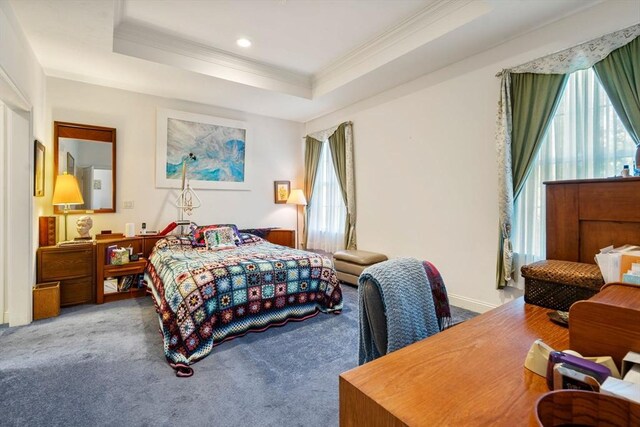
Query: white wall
[[101, 197], [22, 86], [277, 155], [426, 171]]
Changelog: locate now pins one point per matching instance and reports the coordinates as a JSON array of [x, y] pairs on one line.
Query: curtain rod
[[343, 123]]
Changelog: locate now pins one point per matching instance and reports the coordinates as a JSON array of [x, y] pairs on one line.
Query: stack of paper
[[110, 285], [610, 261]]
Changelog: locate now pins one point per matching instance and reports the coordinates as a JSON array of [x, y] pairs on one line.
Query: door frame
[[15, 283]]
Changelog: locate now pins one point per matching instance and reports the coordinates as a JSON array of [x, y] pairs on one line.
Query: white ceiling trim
[[435, 20], [133, 39]]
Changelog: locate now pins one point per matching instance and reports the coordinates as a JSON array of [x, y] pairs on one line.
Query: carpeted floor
[[104, 365]]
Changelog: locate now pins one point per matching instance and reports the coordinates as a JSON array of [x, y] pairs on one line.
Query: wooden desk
[[470, 375]]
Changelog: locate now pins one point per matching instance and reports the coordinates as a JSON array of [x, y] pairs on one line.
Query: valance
[[579, 57]]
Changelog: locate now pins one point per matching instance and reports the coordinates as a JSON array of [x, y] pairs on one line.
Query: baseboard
[[5, 319], [470, 303]]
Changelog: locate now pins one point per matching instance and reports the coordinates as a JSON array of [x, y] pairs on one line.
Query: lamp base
[[66, 217]]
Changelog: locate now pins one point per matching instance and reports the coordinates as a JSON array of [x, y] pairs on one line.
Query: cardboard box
[[46, 300], [629, 386], [626, 262]]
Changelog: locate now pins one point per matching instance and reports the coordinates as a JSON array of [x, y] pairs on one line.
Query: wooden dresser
[[73, 266], [584, 216]]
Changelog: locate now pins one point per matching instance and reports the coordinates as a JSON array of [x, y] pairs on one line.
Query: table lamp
[[67, 192], [297, 198]]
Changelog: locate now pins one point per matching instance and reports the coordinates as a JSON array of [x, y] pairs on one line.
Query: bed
[[204, 297]]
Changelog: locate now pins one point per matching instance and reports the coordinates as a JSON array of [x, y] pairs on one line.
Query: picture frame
[[38, 168], [71, 164], [221, 147], [281, 191]]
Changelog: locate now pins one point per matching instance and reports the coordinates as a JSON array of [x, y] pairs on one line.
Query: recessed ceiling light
[[243, 42]]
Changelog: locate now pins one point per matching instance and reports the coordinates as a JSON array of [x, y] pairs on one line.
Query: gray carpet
[[104, 365]]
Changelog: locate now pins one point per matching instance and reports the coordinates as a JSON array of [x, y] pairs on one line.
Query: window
[[585, 140], [327, 213]]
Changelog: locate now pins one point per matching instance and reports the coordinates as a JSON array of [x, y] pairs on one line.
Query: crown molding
[[433, 21], [134, 39]]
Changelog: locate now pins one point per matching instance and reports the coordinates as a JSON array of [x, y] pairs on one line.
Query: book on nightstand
[[107, 254], [47, 230]]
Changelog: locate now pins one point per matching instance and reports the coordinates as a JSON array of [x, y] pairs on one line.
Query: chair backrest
[[376, 316]]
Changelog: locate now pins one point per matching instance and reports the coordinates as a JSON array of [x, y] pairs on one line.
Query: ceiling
[[308, 57]]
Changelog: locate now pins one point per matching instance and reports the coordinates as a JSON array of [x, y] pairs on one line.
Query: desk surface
[[470, 375]]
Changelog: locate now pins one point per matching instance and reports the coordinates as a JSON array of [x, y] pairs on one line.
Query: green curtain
[[337, 146], [619, 74], [312, 151], [533, 99]]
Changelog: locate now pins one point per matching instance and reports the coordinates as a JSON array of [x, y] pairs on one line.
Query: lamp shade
[[297, 198], [67, 191]]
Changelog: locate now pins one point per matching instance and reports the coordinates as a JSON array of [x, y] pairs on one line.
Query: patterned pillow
[[169, 241], [198, 232], [219, 238], [250, 238]]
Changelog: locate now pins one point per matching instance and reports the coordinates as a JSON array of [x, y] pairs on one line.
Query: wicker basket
[[558, 284]]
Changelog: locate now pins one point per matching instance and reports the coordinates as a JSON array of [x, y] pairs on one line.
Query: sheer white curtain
[[586, 140], [327, 213]]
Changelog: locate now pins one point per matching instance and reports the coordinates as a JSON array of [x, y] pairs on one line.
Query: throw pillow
[[219, 238], [198, 233], [250, 238]]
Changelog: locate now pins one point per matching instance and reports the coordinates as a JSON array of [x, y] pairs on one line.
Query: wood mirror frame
[[89, 133]]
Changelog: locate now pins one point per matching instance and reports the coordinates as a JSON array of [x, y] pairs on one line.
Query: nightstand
[[73, 266], [139, 244], [282, 237]]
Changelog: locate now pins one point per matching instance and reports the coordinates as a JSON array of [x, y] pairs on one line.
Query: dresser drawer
[[62, 264], [76, 291]]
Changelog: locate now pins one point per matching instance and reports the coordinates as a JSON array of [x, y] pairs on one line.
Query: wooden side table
[[282, 237], [104, 270]]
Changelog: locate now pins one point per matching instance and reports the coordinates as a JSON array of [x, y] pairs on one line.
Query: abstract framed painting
[[38, 171], [214, 150]]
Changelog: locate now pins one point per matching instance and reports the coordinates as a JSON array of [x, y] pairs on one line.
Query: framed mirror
[[89, 153]]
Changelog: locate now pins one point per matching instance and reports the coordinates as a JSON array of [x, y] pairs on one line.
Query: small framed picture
[[281, 191], [38, 172]]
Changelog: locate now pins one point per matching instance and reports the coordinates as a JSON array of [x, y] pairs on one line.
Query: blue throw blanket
[[408, 302]]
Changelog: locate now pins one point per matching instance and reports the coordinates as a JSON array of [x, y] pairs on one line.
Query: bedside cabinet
[[282, 237], [73, 266], [139, 244]]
